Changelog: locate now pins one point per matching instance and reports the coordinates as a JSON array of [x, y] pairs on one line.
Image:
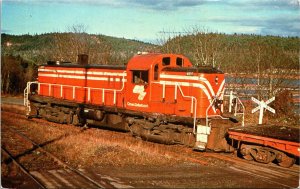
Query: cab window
[[156, 72], [140, 77], [166, 61], [179, 61]]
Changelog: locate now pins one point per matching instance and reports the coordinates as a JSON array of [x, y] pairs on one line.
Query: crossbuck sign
[[261, 106]]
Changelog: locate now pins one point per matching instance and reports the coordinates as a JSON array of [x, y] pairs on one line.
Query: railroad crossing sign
[[261, 105]]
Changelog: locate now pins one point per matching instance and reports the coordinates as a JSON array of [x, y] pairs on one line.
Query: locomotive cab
[[143, 72], [168, 84]]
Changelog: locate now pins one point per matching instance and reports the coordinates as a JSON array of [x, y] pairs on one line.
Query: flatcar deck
[[285, 133]]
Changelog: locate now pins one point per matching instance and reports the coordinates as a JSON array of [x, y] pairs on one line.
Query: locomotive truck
[[157, 97]]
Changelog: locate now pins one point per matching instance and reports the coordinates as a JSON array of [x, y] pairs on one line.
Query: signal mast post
[[261, 106]]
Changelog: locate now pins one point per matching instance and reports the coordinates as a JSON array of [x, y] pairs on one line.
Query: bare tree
[[13, 72], [198, 43], [67, 46], [206, 47], [171, 41]]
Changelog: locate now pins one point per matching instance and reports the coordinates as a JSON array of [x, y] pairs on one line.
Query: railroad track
[[272, 173], [58, 174], [281, 177]]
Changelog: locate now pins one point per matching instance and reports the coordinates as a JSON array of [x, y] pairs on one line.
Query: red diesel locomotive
[[158, 97]]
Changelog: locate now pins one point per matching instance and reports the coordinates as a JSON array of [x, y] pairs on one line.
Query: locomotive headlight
[[216, 80]]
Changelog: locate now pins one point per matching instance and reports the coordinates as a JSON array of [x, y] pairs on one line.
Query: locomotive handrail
[[74, 89], [208, 116], [235, 110], [235, 107], [235, 113], [88, 88], [26, 95], [194, 112]]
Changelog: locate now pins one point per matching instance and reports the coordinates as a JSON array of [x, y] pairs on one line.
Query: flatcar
[[158, 97], [267, 143]]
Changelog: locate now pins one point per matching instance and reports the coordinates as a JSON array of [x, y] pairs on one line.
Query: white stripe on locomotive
[[81, 77], [195, 78], [83, 72]]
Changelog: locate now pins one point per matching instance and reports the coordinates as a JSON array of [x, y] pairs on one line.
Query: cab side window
[[179, 61], [140, 77], [166, 61], [156, 72]]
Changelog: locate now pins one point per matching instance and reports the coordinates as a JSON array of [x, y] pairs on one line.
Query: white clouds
[[171, 4], [247, 29], [145, 4], [145, 18], [263, 3], [285, 26]]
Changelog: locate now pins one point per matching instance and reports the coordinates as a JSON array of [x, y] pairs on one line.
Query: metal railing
[[62, 87], [27, 90], [231, 99], [193, 104]]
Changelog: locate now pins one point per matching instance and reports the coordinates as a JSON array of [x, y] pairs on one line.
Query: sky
[[149, 20]]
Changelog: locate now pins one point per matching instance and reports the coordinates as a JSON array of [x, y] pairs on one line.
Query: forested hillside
[[238, 53], [234, 54], [20, 55], [102, 49]]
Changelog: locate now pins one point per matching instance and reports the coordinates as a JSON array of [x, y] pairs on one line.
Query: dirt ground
[[135, 162]]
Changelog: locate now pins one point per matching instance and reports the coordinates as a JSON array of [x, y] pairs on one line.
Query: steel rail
[[22, 168], [240, 163], [65, 165], [253, 167]]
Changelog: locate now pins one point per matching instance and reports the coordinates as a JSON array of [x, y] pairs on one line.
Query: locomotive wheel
[[286, 161]]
